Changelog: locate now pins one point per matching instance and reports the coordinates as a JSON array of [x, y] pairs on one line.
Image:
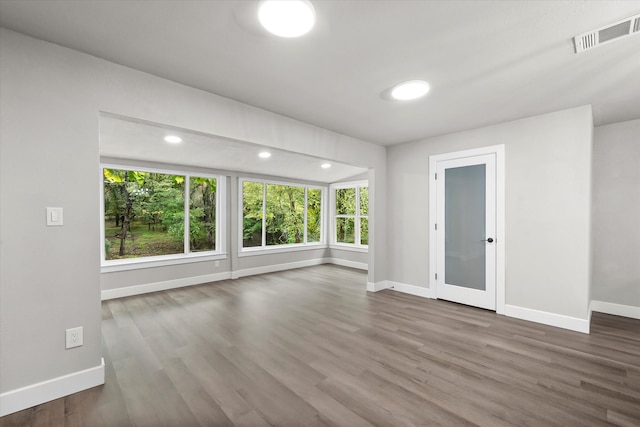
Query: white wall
[[49, 276], [349, 258], [616, 214], [50, 103], [548, 199]]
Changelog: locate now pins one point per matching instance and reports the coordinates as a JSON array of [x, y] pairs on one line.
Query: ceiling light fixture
[[264, 154], [287, 18], [325, 165], [412, 89], [173, 139]]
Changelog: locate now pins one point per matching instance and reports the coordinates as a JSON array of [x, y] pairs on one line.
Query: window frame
[[263, 248], [357, 247], [187, 256]]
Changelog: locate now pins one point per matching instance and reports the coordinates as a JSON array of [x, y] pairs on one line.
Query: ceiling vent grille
[[607, 34]]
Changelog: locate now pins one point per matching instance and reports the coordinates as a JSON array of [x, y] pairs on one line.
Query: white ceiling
[[487, 61], [122, 138]]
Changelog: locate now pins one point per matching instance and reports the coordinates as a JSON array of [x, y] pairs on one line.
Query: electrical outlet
[[74, 337], [217, 264]]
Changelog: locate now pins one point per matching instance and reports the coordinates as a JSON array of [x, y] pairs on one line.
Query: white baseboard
[[412, 290], [197, 280], [35, 394], [616, 309], [347, 263], [378, 286], [277, 267], [401, 287], [546, 318], [162, 286], [557, 320]]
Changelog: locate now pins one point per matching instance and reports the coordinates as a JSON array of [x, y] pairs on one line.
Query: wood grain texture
[[311, 347]]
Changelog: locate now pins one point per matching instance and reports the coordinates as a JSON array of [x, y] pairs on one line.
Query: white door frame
[[499, 152]]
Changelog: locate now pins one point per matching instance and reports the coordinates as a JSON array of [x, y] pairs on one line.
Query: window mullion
[[356, 218], [264, 214], [306, 200], [187, 225]]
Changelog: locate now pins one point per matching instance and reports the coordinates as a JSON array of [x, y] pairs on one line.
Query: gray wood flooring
[[311, 347]]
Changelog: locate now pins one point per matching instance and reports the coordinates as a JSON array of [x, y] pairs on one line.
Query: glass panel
[[143, 213], [346, 201], [465, 226], [314, 214], [364, 200], [364, 231], [285, 214], [345, 230], [202, 214], [251, 214]]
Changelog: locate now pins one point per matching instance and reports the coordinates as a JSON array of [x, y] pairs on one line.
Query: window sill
[[279, 249], [349, 247], [158, 261]]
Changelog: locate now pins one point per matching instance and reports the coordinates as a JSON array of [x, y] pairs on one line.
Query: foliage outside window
[[145, 213], [351, 214], [280, 214]]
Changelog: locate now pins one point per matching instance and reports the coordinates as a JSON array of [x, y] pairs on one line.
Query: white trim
[[127, 291], [413, 290], [546, 318], [277, 267], [186, 208], [160, 261], [170, 259], [35, 394], [357, 216], [349, 247], [264, 247], [275, 249], [222, 224], [347, 263], [616, 309], [500, 236], [103, 237], [378, 286], [500, 229], [350, 184]]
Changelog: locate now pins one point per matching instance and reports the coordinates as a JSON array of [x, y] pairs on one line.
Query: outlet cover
[[74, 337]]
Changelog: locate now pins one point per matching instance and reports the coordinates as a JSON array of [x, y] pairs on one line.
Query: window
[[152, 213], [350, 203], [278, 214]]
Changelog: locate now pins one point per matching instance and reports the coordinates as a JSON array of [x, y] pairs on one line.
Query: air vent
[[607, 34]]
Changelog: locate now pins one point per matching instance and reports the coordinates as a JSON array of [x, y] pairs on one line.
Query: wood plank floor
[[311, 347]]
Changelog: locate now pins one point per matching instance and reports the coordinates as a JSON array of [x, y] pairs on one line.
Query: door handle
[[490, 240]]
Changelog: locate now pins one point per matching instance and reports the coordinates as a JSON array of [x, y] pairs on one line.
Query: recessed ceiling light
[[413, 89], [173, 139], [290, 18], [325, 165], [264, 154]]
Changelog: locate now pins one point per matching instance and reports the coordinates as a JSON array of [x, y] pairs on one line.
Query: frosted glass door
[[465, 217], [466, 226]]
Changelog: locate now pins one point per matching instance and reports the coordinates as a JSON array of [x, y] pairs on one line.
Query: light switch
[[54, 216]]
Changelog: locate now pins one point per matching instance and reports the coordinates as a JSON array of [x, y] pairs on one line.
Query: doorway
[[467, 227]]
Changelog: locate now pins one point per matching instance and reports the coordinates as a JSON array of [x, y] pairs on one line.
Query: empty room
[[319, 213]]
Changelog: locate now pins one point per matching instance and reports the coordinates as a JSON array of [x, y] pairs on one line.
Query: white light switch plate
[[54, 217]]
